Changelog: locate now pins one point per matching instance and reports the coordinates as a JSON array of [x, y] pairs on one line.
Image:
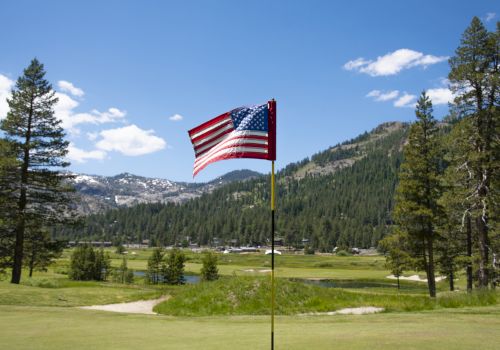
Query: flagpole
[[272, 256]]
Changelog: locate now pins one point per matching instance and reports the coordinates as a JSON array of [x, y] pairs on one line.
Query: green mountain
[[342, 197]]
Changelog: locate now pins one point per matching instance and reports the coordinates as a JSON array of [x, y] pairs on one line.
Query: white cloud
[[80, 156], [64, 110], [490, 16], [5, 87], [354, 64], [176, 117], [440, 96], [393, 62], [66, 86], [92, 136], [406, 100], [383, 96], [130, 141]]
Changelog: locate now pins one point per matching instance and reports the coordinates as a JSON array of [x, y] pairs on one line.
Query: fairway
[[26, 327]]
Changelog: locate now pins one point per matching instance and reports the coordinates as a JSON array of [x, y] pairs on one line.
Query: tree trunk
[[19, 245], [32, 260], [21, 220], [452, 285], [469, 254], [399, 287], [483, 252], [431, 279]]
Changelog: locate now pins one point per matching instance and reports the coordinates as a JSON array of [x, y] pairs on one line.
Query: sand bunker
[[135, 307], [348, 311], [415, 278]]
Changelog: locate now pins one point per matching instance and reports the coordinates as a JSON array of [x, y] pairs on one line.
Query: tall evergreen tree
[[40, 194], [8, 166], [474, 77], [458, 199], [417, 210]]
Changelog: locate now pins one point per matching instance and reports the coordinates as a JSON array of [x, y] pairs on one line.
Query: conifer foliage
[[417, 209], [474, 77], [37, 187]]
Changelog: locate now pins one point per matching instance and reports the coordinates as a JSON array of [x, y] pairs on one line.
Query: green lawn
[[57, 290], [27, 327]]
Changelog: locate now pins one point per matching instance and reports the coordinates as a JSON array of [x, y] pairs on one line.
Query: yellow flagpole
[[272, 255]]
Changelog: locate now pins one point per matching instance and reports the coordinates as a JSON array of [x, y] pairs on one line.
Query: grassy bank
[[51, 291], [250, 296]]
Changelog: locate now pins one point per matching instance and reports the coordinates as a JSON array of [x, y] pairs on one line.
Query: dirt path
[[135, 307]]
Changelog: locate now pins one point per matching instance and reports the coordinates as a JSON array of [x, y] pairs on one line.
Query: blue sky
[[126, 70]]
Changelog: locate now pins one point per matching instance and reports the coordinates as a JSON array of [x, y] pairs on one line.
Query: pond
[[189, 279]]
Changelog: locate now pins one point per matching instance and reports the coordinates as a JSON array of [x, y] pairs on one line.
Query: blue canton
[[250, 118]]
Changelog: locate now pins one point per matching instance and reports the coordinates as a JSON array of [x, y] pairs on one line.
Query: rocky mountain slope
[[99, 193]]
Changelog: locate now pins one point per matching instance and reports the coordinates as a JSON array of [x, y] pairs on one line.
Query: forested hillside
[[342, 197]]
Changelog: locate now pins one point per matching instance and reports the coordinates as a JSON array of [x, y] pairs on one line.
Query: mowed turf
[[28, 327]]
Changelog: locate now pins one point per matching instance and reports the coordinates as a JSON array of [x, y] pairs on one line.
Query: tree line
[[446, 212]]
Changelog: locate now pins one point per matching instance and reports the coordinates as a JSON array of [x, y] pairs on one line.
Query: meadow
[[233, 312]]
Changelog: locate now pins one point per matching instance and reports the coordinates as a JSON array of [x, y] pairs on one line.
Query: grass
[[56, 290], [42, 328], [251, 296], [232, 313]]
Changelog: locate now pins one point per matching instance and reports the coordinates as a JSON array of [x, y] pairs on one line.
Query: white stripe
[[230, 137], [201, 149], [218, 132], [230, 150], [210, 127], [230, 143]]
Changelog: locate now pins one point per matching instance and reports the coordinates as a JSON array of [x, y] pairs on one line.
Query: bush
[[309, 250], [173, 269], [123, 274], [209, 271], [88, 264], [343, 253]]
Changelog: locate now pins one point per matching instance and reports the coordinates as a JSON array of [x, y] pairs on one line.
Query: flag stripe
[[207, 125], [223, 131], [229, 151], [231, 156], [207, 147], [202, 134], [236, 143], [236, 135]]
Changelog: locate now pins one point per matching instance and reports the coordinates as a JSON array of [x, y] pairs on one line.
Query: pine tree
[[40, 249], [417, 210], [209, 271], [40, 194], [155, 261], [8, 166], [458, 199], [173, 268], [474, 77], [396, 253]]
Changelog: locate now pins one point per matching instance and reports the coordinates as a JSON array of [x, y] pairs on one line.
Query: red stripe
[[212, 139], [209, 123], [228, 139], [232, 156], [249, 144], [207, 135]]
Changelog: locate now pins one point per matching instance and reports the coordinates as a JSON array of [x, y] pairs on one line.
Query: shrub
[[88, 264], [209, 271]]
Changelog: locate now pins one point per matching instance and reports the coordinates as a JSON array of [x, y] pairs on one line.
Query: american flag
[[244, 132]]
